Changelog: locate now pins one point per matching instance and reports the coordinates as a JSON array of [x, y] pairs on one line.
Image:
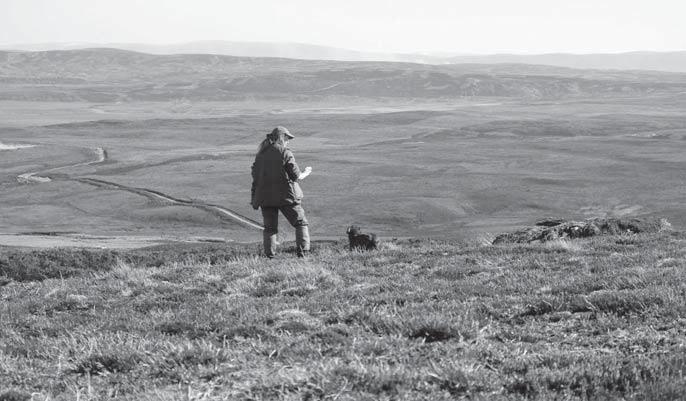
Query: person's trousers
[[295, 215]]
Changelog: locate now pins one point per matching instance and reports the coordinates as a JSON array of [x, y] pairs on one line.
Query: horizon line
[[437, 53]]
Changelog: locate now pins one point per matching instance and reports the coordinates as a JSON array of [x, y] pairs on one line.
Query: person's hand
[[305, 173]]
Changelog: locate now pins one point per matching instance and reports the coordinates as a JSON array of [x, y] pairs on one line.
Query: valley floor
[[448, 168], [603, 318]]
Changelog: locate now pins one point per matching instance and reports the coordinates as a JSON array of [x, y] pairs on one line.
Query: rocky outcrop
[[552, 229]]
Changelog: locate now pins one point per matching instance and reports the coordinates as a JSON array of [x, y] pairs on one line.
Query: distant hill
[[118, 75], [239, 49], [644, 60], [656, 61]]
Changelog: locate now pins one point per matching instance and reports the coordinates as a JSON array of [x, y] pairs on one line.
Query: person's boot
[[302, 240], [269, 241]]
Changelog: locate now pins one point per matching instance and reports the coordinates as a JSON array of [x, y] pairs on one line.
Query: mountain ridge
[[670, 61], [115, 75]]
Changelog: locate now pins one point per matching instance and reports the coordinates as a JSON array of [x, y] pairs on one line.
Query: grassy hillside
[[594, 319]]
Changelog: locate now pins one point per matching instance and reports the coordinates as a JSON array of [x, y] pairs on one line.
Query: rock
[[552, 229], [550, 222]]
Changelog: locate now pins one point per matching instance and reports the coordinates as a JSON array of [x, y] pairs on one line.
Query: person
[[275, 176]]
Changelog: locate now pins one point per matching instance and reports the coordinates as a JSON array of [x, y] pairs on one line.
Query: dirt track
[[222, 212], [33, 177]]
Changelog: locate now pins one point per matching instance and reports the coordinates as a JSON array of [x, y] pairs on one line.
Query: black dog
[[359, 240]]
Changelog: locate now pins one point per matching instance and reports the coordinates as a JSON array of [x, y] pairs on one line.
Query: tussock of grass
[[599, 319]]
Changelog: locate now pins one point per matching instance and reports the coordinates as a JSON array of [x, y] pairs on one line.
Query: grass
[[596, 319]]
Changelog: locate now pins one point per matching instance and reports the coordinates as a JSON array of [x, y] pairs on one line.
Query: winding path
[[220, 211], [28, 178]]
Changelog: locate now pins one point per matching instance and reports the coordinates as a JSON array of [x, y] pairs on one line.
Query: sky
[[420, 26]]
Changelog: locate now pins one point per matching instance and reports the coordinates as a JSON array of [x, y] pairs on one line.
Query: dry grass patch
[[430, 320]]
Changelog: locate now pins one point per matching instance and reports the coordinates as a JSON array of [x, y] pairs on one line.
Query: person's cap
[[284, 131]]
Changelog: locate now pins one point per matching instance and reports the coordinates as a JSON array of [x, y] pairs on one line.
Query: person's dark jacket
[[275, 178]]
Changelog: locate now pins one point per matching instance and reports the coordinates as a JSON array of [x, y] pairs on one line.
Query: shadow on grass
[[99, 364], [39, 264], [620, 303]]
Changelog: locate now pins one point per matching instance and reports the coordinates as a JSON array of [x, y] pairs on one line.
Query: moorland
[[119, 149], [402, 149], [590, 319]]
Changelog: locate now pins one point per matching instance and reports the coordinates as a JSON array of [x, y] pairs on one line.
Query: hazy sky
[[463, 26]]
